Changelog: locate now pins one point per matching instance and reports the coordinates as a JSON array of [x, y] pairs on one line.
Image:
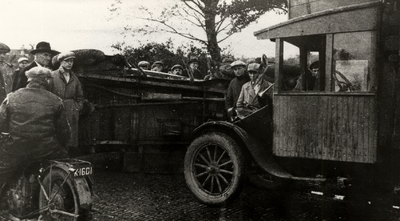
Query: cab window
[[352, 62], [303, 64]]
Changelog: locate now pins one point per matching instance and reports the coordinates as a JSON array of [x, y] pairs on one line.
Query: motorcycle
[[51, 190]]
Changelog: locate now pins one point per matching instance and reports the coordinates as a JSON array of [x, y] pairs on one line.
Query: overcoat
[[72, 95], [20, 80], [248, 97]]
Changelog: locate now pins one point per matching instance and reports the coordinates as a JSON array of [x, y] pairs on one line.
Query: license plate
[[84, 171]]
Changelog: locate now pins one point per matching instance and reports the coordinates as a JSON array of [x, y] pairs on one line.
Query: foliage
[[217, 19]]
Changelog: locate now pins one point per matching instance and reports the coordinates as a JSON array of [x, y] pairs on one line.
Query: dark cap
[[38, 72], [157, 63], [4, 48], [177, 66]]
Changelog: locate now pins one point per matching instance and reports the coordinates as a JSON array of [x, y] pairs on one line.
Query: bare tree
[[218, 19]]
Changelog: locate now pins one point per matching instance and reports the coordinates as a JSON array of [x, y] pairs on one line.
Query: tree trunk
[[210, 7]]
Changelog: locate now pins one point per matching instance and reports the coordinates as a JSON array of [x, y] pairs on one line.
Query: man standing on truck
[[157, 66], [67, 86], [145, 65], [235, 86], [36, 123]]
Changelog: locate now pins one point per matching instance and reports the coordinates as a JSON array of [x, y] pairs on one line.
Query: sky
[[89, 24]]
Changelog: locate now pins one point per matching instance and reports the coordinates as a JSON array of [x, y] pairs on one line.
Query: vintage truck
[[346, 125]]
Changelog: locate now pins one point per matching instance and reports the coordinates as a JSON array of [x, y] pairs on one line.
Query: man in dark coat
[[193, 69], [5, 72], [43, 55], [35, 119], [235, 86]]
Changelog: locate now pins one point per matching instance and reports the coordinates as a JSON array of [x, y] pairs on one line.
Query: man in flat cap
[[6, 72], [67, 86], [235, 86], [254, 94], [178, 70], [22, 63], [145, 65], [157, 66], [43, 54], [35, 119]]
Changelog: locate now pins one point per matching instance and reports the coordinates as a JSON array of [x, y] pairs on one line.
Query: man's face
[[22, 64], [194, 65], [253, 75], [315, 71], [238, 70], [67, 64], [2, 56], [43, 58], [145, 67], [157, 68], [177, 71]]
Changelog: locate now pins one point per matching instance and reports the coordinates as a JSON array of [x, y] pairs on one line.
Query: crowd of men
[[192, 72], [247, 92], [39, 108]]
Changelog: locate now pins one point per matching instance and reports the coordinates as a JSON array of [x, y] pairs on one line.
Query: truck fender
[[259, 152]]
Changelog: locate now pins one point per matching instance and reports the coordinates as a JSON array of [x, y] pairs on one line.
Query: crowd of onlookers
[[247, 91], [191, 72]]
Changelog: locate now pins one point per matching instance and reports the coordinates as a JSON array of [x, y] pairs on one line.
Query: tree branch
[[223, 39], [194, 9]]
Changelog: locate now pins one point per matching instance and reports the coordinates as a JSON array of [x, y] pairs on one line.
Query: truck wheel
[[214, 168]]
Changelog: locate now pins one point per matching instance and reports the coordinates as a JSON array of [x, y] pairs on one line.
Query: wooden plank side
[[340, 128]]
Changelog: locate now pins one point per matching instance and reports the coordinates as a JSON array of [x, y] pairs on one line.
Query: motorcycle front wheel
[[61, 202]]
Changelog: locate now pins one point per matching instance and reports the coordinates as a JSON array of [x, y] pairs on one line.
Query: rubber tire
[[230, 190], [57, 176]]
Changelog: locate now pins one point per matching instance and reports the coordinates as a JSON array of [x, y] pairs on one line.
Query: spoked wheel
[[214, 168], [60, 201]]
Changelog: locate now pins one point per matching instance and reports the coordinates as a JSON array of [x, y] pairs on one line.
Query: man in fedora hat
[[43, 54], [6, 72], [67, 86], [193, 69]]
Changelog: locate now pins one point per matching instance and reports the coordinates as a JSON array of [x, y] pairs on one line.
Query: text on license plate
[[84, 171]]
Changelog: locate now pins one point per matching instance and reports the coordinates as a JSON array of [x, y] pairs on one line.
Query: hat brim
[[53, 52]]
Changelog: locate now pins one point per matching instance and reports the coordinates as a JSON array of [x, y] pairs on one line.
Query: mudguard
[[260, 152], [83, 184]]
